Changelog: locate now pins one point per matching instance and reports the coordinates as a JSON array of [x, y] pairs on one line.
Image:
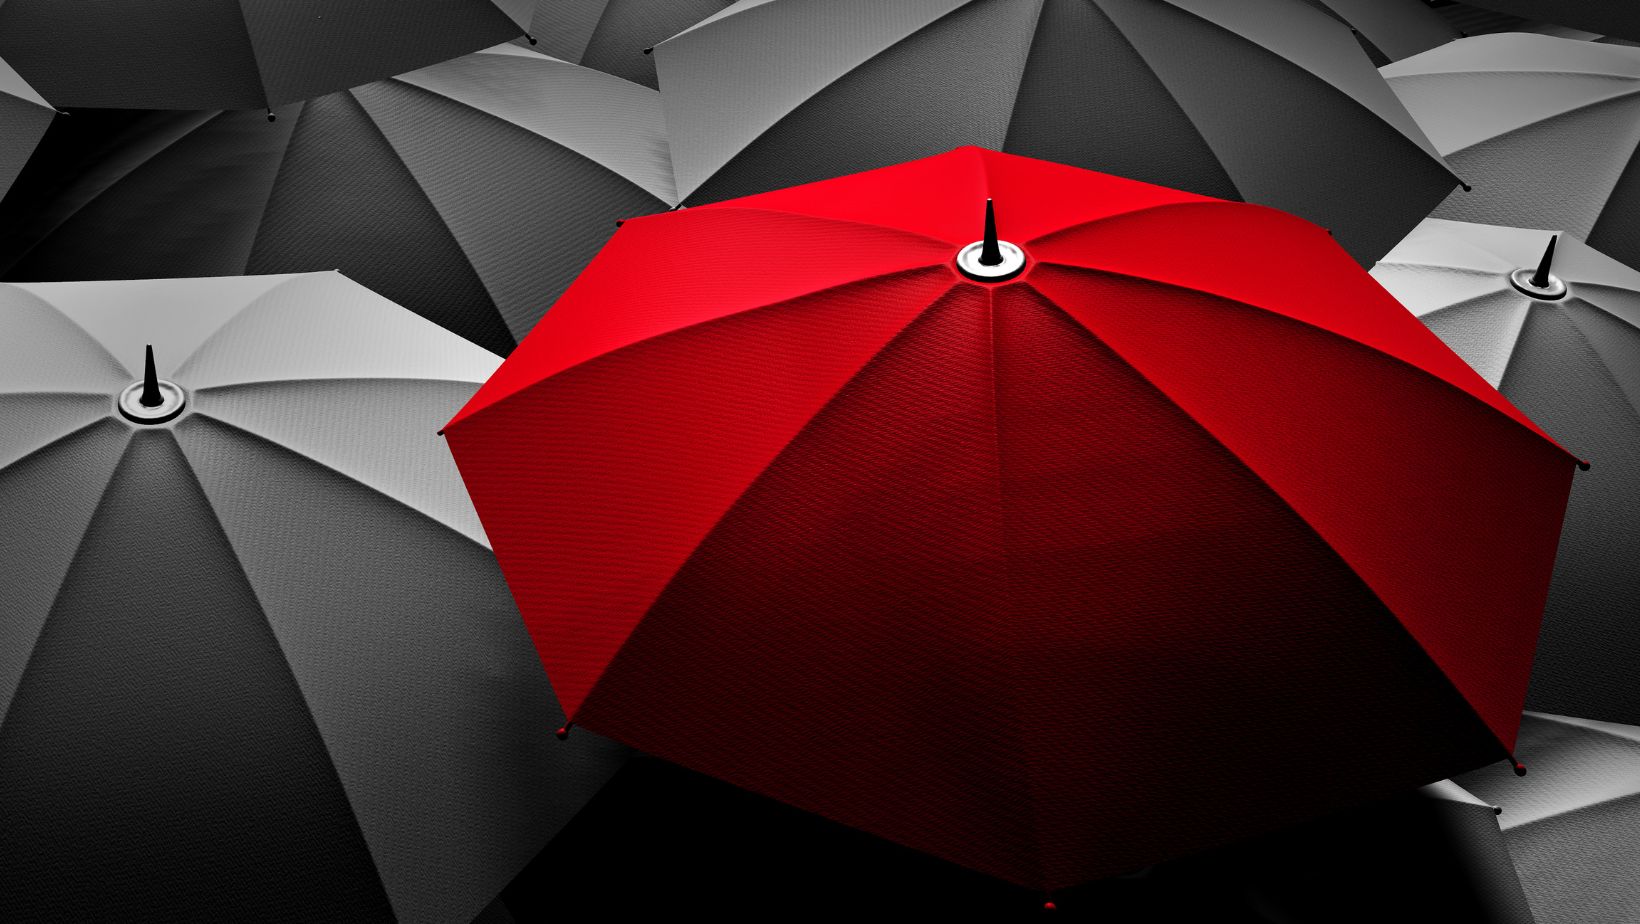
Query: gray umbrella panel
[[24, 116], [1607, 17], [471, 192], [1193, 94], [309, 448], [238, 54], [1546, 129], [1395, 28], [1573, 823], [614, 36], [1573, 365]]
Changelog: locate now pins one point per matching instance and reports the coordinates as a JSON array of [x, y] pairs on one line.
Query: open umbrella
[[1270, 101], [1556, 326], [23, 120], [237, 54], [471, 192], [1609, 17], [1391, 29], [256, 661], [1545, 128], [614, 36], [1016, 552], [1573, 823]]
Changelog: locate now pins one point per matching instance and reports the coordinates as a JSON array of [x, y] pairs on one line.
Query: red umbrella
[[1160, 526]]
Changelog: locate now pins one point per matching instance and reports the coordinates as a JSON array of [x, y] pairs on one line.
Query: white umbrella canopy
[[1220, 99], [256, 658], [1572, 824], [1567, 352], [24, 116], [1545, 129]]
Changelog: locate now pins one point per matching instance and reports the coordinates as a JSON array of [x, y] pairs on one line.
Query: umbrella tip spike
[[991, 253], [1584, 465], [530, 37], [1541, 277], [1048, 904], [1520, 768], [271, 116], [1465, 186], [563, 731], [650, 50]]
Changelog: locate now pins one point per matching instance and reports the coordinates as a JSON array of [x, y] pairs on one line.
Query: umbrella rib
[[741, 494], [1463, 302], [1286, 503], [302, 380], [182, 369], [1602, 308], [734, 206], [467, 412], [256, 60], [1601, 366], [52, 442], [1530, 428], [1559, 114], [267, 201], [79, 549], [309, 460]]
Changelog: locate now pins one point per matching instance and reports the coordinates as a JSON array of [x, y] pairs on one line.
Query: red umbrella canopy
[[1154, 524]]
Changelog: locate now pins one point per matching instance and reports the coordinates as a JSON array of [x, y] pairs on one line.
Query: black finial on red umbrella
[[563, 731], [1520, 768], [991, 253], [150, 382], [1541, 277]]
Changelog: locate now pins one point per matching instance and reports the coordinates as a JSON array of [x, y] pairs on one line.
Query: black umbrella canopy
[[1391, 29], [237, 54], [24, 116], [1555, 325], [1543, 127], [1572, 824], [1607, 17], [1271, 101], [614, 36], [256, 659], [471, 192]]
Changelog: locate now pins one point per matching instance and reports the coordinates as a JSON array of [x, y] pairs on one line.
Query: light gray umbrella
[[237, 54], [1271, 101], [1562, 341], [1546, 129], [23, 120], [1391, 29], [614, 36], [1613, 17], [256, 658], [1573, 823], [471, 192]]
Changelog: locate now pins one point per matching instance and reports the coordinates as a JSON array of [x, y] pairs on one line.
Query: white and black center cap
[[151, 400], [1540, 283], [991, 259]]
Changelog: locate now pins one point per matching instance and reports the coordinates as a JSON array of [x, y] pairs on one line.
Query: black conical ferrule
[[1541, 277], [990, 254], [150, 383]]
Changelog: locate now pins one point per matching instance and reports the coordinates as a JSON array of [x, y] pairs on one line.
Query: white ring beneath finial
[[172, 399], [1521, 279], [1013, 261]]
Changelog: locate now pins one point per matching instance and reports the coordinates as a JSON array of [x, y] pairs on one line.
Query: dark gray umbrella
[[614, 36], [1608, 17], [1559, 334], [237, 54], [1391, 29], [1271, 101], [471, 192], [1572, 824], [23, 120], [257, 661], [1547, 130]]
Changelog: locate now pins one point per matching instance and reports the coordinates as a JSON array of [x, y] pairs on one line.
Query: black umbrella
[[1391, 29], [256, 659], [237, 54], [1607, 17], [23, 119], [471, 192], [614, 36], [1271, 101]]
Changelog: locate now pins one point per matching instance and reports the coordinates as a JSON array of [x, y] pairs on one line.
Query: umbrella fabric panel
[[1394, 28], [226, 54], [155, 674], [24, 117], [971, 571], [614, 36], [1608, 17]]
